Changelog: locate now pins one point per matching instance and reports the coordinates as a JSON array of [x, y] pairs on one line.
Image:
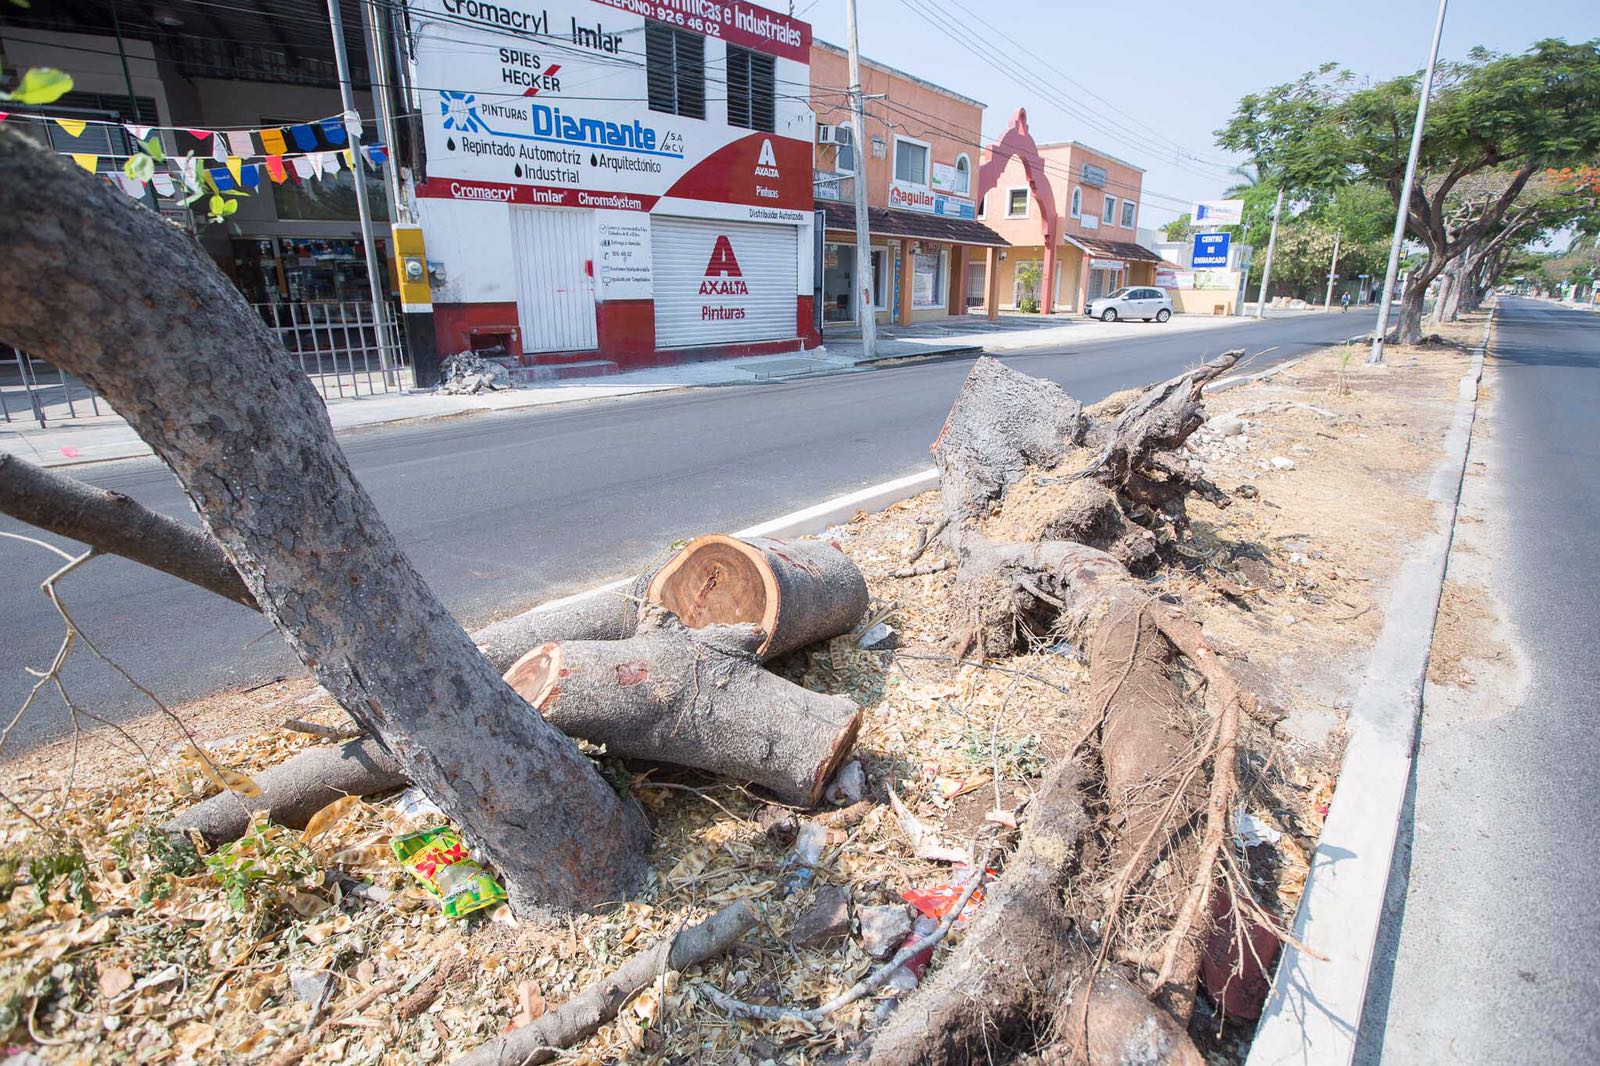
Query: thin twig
[[921, 570]]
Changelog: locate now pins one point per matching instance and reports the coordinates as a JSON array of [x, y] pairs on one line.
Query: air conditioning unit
[[839, 135]]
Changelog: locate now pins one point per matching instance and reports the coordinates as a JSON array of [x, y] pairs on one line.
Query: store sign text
[[916, 198]]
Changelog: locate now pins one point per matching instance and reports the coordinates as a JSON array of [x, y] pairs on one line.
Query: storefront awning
[[883, 222], [1124, 250]]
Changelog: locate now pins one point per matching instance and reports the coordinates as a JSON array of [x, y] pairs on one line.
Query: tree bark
[[111, 522], [692, 697], [109, 291], [797, 591], [295, 789]]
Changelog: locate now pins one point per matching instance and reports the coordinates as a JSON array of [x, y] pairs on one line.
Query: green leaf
[[42, 85], [153, 148], [216, 204], [139, 168]]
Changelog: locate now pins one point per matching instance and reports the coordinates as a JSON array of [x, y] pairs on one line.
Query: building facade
[[613, 179], [1071, 211], [920, 168]]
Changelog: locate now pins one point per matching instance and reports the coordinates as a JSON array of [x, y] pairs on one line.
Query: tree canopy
[[1495, 122]]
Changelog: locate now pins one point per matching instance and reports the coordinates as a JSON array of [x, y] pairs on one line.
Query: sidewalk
[[102, 438]]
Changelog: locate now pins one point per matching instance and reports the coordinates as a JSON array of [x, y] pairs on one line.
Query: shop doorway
[[553, 248], [1104, 280], [977, 275], [838, 282]]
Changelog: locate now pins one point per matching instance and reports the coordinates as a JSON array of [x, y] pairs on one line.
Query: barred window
[[752, 91], [675, 68]]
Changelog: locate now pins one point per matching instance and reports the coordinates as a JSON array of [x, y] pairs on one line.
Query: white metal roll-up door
[[553, 249], [723, 282]]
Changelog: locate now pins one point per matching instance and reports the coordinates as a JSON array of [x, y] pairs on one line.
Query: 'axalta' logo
[[723, 276], [767, 162]]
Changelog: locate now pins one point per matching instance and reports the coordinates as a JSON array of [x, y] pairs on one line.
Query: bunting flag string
[[328, 134], [236, 173]]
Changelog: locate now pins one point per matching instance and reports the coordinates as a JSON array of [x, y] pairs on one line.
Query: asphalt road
[[500, 512], [1489, 948]]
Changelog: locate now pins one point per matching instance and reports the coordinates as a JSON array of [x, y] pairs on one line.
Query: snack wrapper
[[437, 858]]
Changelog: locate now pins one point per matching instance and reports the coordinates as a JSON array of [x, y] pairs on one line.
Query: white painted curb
[[1314, 1011], [813, 519]]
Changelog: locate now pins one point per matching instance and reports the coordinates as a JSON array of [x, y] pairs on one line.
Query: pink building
[[1071, 209]]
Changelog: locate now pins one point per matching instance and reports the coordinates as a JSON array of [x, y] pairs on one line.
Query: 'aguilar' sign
[[556, 95]]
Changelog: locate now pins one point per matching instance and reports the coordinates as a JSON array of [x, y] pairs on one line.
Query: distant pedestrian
[[1344, 301]]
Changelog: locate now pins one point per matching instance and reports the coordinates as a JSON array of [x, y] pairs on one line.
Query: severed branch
[[577, 1019], [115, 524]]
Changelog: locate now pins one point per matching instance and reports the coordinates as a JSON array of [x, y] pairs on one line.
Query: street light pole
[[380, 326], [858, 127], [1272, 246], [1333, 271], [1376, 358]]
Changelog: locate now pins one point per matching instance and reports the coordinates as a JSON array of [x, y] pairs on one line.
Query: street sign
[[1219, 213], [1210, 250]]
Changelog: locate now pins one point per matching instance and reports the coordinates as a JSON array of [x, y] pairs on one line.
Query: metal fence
[[337, 346], [34, 389], [334, 343]]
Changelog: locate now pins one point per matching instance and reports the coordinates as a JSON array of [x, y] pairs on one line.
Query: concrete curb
[[1314, 1011]]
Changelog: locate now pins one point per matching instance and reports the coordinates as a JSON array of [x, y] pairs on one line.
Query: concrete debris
[[1282, 462], [884, 929], [310, 986], [849, 785], [825, 921], [468, 373]]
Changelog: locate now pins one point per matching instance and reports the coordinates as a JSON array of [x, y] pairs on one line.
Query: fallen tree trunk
[[797, 591], [111, 522], [612, 615], [295, 789], [104, 288], [581, 1016], [697, 698]]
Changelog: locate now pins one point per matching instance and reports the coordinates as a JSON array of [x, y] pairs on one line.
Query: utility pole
[[382, 94], [1272, 246], [858, 133], [1376, 358], [352, 125], [1333, 271]]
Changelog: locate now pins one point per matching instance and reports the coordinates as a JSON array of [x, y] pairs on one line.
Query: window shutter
[[691, 75], [738, 87], [658, 59], [763, 92]]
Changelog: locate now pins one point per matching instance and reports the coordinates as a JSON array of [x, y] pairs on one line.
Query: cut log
[[581, 1016], [797, 592], [698, 698], [1002, 423], [295, 789], [612, 615]]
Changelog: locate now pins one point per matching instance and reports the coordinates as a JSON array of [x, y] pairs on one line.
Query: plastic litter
[[437, 858]]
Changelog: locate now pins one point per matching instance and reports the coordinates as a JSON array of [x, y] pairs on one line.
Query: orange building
[[921, 160], [1072, 210]]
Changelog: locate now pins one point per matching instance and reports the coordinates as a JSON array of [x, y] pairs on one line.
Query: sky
[[1152, 88]]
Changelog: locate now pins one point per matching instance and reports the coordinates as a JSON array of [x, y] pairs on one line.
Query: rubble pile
[[468, 374]]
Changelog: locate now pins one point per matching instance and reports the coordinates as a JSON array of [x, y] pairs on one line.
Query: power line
[[993, 57], [1177, 146]]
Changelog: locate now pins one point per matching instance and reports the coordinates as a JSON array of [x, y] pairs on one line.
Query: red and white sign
[[746, 25], [500, 192]]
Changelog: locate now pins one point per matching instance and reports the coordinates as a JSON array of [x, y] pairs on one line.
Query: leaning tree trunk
[[109, 291]]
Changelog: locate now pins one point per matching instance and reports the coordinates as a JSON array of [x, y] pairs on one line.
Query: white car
[[1133, 302]]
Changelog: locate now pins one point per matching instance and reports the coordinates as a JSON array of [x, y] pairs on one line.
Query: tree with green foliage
[[1515, 115], [1180, 228]]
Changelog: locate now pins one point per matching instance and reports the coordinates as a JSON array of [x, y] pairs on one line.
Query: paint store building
[[617, 180]]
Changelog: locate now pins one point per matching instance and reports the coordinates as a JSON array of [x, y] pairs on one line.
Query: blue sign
[[1210, 250]]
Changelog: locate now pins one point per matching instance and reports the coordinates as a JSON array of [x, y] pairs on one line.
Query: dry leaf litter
[[120, 946]]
